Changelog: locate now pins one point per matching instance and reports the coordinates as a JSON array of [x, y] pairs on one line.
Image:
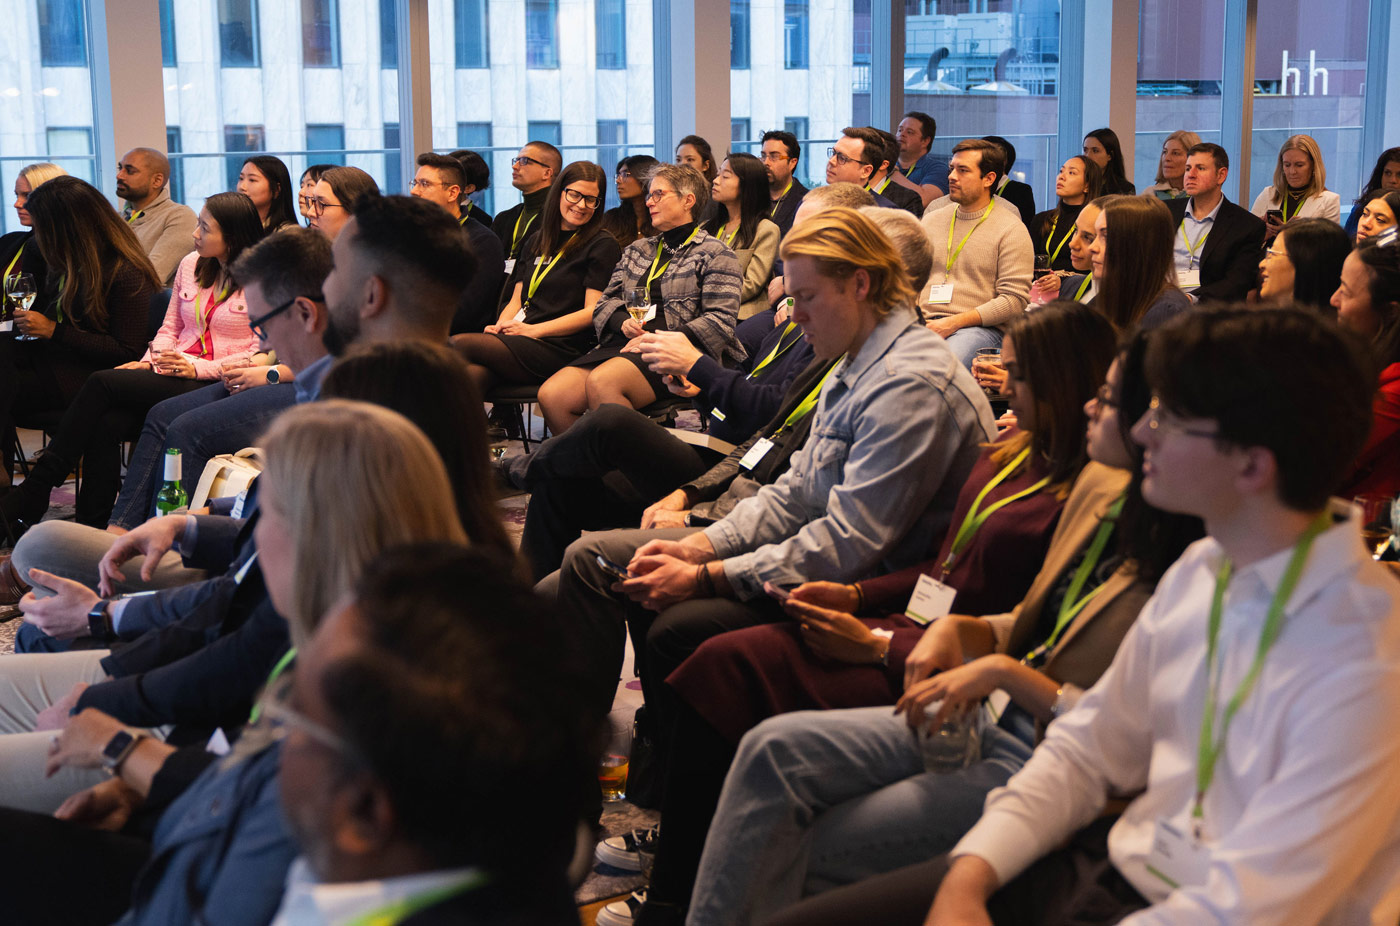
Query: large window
[[472, 29], [612, 142], [795, 20], [477, 137], [551, 132], [610, 17], [1181, 55], [393, 167], [240, 138], [238, 33], [320, 34], [739, 34], [71, 149], [542, 33], [62, 33]]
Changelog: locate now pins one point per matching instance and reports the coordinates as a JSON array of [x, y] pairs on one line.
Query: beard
[[342, 330]]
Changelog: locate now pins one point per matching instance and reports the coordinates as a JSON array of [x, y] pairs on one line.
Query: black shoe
[[23, 507]]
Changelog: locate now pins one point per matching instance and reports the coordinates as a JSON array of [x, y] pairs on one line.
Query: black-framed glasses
[[257, 323], [415, 184], [843, 159], [576, 197], [1158, 420], [775, 156], [317, 206], [655, 196], [520, 160]]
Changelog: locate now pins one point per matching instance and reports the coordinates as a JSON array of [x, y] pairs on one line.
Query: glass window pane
[[238, 33], [795, 21], [473, 32], [611, 21], [62, 33], [177, 168], [324, 143], [541, 33], [240, 138], [393, 168], [545, 131], [477, 137], [1181, 63], [612, 141], [739, 34], [738, 131], [388, 34], [167, 33], [71, 149], [320, 33]]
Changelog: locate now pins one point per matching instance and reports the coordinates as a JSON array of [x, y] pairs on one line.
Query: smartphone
[[773, 591], [613, 569], [1274, 215]]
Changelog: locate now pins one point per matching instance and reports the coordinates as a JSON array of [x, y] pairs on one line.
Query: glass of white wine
[[638, 302], [20, 293], [1376, 527]]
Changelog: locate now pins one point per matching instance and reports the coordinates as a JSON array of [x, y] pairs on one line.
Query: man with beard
[[162, 225]]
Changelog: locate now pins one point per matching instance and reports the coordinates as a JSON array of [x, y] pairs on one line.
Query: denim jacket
[[895, 433]]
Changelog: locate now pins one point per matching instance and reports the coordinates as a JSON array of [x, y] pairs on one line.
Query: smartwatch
[[273, 377], [100, 621], [118, 748]]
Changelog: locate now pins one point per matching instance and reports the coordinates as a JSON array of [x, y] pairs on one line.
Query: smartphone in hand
[[616, 570], [773, 591]]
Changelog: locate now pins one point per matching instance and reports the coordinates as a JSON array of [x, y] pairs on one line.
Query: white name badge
[[651, 314], [996, 704], [519, 316], [757, 452], [218, 743], [931, 600], [1189, 279], [1176, 860], [539, 260], [7, 325], [238, 503], [940, 293], [510, 266]]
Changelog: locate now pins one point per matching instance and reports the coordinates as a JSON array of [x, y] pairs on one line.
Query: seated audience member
[[564, 267], [1052, 230], [532, 171], [982, 256], [1378, 216], [95, 303], [1217, 248], [876, 796], [691, 284], [694, 151], [780, 153], [221, 847], [440, 180], [740, 193], [264, 179], [1277, 813], [1013, 191], [922, 170], [1299, 190], [630, 219], [1368, 303], [1171, 166], [19, 252], [1303, 265], [896, 430], [1002, 524], [855, 158], [1103, 148], [882, 180], [337, 195], [162, 225], [476, 178], [1079, 286], [205, 324], [1385, 177], [1132, 259], [307, 189]]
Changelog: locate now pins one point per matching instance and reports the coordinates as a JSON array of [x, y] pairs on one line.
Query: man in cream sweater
[[982, 255]]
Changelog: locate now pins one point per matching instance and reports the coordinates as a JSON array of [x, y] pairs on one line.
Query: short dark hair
[[873, 151], [789, 140], [241, 229], [1287, 380], [990, 158], [444, 163], [1008, 151], [418, 248], [294, 262], [928, 125], [891, 148], [1217, 153], [475, 171], [480, 769], [551, 153]]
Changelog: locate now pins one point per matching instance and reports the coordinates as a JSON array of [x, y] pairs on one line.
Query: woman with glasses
[[1303, 265], [554, 287], [630, 219], [740, 189], [264, 179], [205, 325], [307, 190], [683, 279], [334, 197]]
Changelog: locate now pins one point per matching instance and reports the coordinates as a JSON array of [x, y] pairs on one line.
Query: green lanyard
[[732, 235], [466, 213], [805, 407], [134, 216], [14, 260], [976, 517], [779, 201], [778, 350], [884, 183], [1053, 225], [272, 678], [1211, 747], [1073, 603], [1189, 246], [1295, 211], [58, 303], [397, 912], [953, 255], [1084, 287], [656, 270], [906, 171], [1001, 186], [537, 276], [515, 237]]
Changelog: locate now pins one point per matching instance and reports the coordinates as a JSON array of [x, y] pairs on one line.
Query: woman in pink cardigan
[[205, 325]]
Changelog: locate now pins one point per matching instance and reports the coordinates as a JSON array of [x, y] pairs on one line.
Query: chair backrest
[[155, 316]]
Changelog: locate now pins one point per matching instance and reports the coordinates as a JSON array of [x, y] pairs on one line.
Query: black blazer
[[905, 198], [1230, 256]]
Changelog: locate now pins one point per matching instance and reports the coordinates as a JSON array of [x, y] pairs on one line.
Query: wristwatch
[[273, 377], [118, 748], [100, 620]]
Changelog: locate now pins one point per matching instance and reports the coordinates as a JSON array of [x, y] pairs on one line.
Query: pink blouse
[[196, 323]]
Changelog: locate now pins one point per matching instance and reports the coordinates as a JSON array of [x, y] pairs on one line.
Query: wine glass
[[987, 360], [638, 302], [1376, 524], [20, 293]]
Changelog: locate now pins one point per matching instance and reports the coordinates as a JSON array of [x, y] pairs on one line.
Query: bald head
[[141, 175]]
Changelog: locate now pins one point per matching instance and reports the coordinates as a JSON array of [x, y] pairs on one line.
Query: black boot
[[25, 504]]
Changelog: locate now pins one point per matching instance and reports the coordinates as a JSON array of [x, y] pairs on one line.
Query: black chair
[[519, 402]]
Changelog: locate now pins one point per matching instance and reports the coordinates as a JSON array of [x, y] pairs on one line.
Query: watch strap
[[100, 620]]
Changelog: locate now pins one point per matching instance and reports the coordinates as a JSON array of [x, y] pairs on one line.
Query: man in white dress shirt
[[1276, 634]]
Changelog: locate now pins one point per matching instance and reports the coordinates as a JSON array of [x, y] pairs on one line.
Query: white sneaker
[[621, 851], [622, 912]]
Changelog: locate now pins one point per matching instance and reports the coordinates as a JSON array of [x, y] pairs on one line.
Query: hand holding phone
[[616, 570], [781, 594]]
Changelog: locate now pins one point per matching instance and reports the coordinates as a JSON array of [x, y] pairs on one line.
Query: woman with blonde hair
[[1299, 190], [18, 251], [1171, 166]]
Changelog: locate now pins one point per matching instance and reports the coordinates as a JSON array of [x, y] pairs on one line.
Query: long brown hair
[[1135, 271], [86, 243], [240, 227], [552, 226]]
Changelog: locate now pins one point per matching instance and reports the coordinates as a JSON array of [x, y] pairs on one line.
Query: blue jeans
[[202, 424], [820, 798], [966, 342]]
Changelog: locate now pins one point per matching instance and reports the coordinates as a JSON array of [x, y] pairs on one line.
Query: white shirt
[[1192, 231], [308, 902], [1302, 821]]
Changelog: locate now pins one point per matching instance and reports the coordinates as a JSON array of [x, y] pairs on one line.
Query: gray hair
[[840, 196], [908, 238], [685, 179]]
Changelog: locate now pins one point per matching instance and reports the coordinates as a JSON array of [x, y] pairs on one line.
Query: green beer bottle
[[172, 496]]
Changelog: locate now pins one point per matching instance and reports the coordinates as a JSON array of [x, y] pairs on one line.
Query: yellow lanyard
[[1192, 247], [468, 211], [1001, 186], [976, 516], [537, 276], [58, 303], [515, 238], [805, 407], [1295, 211], [779, 201], [14, 260], [202, 320], [778, 350], [732, 235], [906, 171], [1084, 287], [1053, 225], [395, 913], [953, 255], [656, 270], [1074, 601], [134, 216], [272, 677], [881, 188]]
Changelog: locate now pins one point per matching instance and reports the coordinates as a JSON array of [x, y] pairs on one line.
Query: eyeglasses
[[655, 196], [522, 160], [316, 205], [1104, 399], [576, 197], [256, 324], [623, 175], [416, 184], [1158, 420], [775, 156], [1275, 252], [843, 159], [282, 720]]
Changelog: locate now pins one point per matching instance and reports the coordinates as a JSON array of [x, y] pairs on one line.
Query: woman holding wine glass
[[740, 189], [19, 253], [692, 284], [555, 286]]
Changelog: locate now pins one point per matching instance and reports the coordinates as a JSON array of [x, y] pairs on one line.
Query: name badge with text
[[1189, 279], [940, 293], [510, 266], [1175, 859], [757, 452], [931, 600]]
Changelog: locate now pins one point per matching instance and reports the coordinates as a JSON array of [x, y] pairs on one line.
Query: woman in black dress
[[560, 277], [1052, 230]]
